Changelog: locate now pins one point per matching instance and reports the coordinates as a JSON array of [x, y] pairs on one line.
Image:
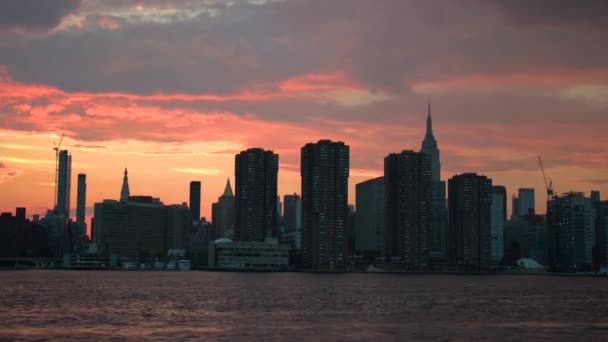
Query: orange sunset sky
[[174, 89]]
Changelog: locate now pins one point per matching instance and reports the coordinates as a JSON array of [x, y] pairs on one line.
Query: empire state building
[[438, 217]]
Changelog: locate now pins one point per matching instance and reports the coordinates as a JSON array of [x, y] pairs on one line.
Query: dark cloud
[[34, 14], [556, 13]]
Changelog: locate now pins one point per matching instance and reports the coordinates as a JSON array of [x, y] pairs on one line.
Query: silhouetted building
[[407, 201], [524, 204], [324, 171], [223, 215], [601, 235], [266, 255], [81, 199], [56, 223], [124, 190], [64, 182], [570, 232], [140, 228], [499, 216], [256, 173], [369, 218], [470, 200], [438, 211], [195, 200], [292, 220], [22, 238]]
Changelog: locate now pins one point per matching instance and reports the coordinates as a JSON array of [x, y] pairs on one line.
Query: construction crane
[[548, 183], [56, 148]]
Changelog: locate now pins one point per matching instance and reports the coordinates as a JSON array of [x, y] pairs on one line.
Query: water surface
[[105, 305]]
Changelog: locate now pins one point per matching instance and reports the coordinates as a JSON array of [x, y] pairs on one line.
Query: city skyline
[[171, 123]]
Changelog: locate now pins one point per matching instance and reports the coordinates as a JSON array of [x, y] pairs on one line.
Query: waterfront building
[[470, 199], [438, 211], [266, 255], [140, 228], [570, 232], [324, 174], [601, 234], [407, 201], [369, 218], [64, 175], [81, 199], [223, 215], [256, 172], [195, 200], [19, 237], [292, 221], [498, 219]]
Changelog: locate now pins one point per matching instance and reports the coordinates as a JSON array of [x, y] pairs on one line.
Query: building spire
[[429, 121], [228, 190], [124, 192]]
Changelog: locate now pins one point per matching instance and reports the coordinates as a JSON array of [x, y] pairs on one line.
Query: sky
[[174, 89]]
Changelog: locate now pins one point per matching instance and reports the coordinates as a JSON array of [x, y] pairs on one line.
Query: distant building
[[601, 234], [470, 197], [369, 218], [407, 201], [81, 204], [256, 172], [438, 211], [195, 200], [292, 221], [266, 255], [498, 218], [125, 193], [64, 182], [140, 228], [570, 232], [324, 171], [56, 223], [223, 215], [21, 238], [524, 203]]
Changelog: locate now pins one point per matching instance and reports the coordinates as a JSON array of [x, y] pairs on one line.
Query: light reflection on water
[[78, 305]]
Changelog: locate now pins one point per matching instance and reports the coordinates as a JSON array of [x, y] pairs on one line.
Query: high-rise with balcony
[[408, 205], [256, 172], [324, 171], [469, 237]]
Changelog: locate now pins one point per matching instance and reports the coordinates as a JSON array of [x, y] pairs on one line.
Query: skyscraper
[[438, 210], [499, 216], [64, 182], [525, 202], [407, 201], [223, 214], [292, 220], [124, 190], [369, 218], [81, 203], [470, 197], [324, 169], [195, 200], [570, 232], [601, 233], [256, 172]]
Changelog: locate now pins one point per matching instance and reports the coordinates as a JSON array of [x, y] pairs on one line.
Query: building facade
[[324, 174], [266, 255], [81, 199], [195, 200], [64, 187], [407, 202], [498, 217], [223, 215], [292, 221], [570, 232], [438, 211], [470, 200], [369, 217], [256, 172]]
